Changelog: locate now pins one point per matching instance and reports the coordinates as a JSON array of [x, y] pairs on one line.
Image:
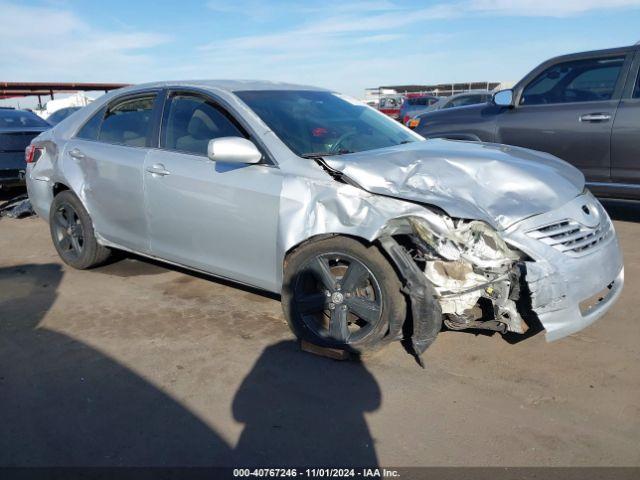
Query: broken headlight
[[474, 241]]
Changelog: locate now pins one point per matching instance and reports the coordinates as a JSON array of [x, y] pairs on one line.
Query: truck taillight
[[33, 153]]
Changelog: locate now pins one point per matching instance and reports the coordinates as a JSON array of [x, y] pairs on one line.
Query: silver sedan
[[370, 233]]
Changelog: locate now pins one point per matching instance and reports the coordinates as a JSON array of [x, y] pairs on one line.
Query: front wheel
[[72, 233], [341, 294]]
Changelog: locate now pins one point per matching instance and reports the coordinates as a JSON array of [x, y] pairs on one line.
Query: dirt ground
[[135, 363]]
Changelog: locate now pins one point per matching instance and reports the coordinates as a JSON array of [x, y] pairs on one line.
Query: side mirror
[[503, 98], [233, 150]]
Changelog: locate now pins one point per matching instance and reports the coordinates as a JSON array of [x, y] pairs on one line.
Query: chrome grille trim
[[571, 237]]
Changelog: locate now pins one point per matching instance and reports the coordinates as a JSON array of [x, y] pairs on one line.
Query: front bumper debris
[[426, 314], [564, 281]]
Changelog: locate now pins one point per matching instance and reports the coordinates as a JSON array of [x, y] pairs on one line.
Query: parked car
[[59, 115], [583, 108], [456, 100], [415, 104], [17, 128], [355, 219], [390, 105]]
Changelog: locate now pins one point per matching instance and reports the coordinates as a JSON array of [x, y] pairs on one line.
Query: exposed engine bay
[[475, 274]]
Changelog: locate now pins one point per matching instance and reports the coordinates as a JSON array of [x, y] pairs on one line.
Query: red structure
[[38, 89]]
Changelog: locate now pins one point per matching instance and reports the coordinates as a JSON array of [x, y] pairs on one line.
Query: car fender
[[312, 209]]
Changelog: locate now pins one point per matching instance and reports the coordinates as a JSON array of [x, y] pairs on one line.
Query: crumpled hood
[[499, 184]]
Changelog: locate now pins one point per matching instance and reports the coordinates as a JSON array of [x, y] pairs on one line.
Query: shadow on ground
[[65, 403], [301, 409], [125, 264]]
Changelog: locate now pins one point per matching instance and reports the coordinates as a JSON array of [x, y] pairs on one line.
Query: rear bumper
[[40, 193]]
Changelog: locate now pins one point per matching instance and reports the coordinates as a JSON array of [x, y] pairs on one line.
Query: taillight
[[32, 154], [405, 119]]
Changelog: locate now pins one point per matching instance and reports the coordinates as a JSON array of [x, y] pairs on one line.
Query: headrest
[[201, 126]]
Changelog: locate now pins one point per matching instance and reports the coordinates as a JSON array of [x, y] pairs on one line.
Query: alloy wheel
[[68, 230], [338, 298]]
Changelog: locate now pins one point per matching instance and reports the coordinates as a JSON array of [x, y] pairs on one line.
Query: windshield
[[19, 119], [311, 122], [59, 115]]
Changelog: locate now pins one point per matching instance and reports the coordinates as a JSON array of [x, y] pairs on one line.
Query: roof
[[231, 85]]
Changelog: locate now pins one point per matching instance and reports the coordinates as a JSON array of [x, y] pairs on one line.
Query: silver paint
[[239, 221]]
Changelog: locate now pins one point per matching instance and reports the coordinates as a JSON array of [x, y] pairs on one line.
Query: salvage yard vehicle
[[583, 108], [390, 105], [367, 230], [59, 115], [17, 129], [415, 104]]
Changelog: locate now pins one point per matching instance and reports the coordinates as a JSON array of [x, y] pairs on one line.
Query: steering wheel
[[335, 148]]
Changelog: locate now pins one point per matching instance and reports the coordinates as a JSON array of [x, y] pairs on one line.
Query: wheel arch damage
[[433, 254]]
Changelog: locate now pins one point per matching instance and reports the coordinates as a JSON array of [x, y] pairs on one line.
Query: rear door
[[568, 110], [625, 139], [212, 216], [109, 152]]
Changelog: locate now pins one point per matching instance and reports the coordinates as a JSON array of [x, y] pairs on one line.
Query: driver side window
[[191, 121], [589, 80]]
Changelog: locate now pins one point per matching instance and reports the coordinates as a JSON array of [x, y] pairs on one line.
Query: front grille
[[571, 237]]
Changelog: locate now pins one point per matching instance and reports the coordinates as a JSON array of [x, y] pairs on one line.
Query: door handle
[[77, 154], [595, 117], [158, 169]]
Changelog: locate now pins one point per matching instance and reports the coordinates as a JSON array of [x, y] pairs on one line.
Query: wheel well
[[59, 187], [323, 236]]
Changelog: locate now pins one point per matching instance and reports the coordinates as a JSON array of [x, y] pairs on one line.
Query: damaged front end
[[459, 271]]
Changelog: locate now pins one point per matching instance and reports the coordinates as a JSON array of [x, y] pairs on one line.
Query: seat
[[201, 129]]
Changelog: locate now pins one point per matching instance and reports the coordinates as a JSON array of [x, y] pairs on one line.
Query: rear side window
[[418, 101], [128, 122], [587, 80], [636, 91], [191, 121], [467, 100], [89, 130]]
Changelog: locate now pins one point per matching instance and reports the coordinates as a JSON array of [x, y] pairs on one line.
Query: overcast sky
[[346, 45]]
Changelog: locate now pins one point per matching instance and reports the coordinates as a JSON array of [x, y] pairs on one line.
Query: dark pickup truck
[[583, 108]]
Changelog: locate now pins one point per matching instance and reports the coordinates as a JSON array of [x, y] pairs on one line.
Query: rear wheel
[[339, 293], [72, 233]]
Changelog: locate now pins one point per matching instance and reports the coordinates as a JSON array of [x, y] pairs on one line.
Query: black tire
[[371, 306], [72, 233]]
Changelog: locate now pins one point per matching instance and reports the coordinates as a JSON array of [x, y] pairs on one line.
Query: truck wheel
[[72, 233], [341, 294]]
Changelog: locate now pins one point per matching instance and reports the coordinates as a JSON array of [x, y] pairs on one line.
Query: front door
[[568, 111], [625, 142], [216, 217]]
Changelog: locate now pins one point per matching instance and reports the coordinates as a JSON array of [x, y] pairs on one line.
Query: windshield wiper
[[324, 154]]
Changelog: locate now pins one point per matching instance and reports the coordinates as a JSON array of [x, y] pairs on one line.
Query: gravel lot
[[135, 363]]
